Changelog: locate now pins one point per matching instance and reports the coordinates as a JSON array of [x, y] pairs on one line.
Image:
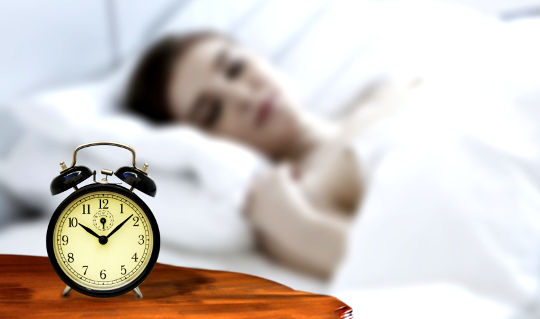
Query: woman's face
[[230, 92]]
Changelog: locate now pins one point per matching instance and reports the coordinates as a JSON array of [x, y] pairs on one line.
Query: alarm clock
[[103, 240]]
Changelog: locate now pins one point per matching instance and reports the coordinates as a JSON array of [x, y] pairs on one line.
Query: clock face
[[103, 240]]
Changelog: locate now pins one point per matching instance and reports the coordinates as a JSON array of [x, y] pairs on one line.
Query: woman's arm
[[290, 229]]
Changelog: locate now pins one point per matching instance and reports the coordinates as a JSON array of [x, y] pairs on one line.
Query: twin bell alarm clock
[[103, 240]]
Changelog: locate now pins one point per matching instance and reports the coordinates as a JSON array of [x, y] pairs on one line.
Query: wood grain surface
[[29, 288]]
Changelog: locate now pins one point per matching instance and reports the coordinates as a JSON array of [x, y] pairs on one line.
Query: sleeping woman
[[398, 166]]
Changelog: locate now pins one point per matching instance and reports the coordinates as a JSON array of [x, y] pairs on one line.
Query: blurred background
[[64, 65]]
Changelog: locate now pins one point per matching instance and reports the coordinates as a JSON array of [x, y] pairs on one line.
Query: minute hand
[[118, 227]]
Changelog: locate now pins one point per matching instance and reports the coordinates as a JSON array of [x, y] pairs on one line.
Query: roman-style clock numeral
[[65, 240], [136, 220], [72, 221], [103, 204], [135, 257], [86, 209], [85, 270]]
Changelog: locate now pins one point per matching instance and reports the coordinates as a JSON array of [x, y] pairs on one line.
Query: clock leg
[[66, 291], [138, 292]]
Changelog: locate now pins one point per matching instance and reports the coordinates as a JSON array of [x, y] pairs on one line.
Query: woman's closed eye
[[235, 69]]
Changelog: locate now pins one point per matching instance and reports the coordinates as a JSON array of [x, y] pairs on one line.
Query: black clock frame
[[94, 188]]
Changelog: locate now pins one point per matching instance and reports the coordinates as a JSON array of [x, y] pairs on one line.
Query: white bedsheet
[[439, 300]]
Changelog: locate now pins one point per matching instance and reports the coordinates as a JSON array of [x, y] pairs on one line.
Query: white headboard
[[46, 42], [53, 42]]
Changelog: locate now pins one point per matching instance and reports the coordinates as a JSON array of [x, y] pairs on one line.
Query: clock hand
[[89, 231], [118, 227]]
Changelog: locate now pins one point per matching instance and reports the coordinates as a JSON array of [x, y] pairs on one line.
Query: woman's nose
[[255, 83]]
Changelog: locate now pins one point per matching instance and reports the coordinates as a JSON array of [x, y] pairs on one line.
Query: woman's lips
[[265, 110]]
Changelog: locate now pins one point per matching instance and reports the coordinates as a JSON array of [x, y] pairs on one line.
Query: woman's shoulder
[[331, 177]]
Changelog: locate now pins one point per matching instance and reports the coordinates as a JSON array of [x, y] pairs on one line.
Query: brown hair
[[146, 92]]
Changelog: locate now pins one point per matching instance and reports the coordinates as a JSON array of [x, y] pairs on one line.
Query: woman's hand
[[273, 199], [289, 229]]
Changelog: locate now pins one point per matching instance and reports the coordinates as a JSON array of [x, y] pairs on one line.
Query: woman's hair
[[146, 93]]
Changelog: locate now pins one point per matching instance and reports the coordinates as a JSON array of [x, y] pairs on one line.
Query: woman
[[303, 206], [417, 172]]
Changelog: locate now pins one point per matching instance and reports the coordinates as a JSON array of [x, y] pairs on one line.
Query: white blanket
[[452, 196]]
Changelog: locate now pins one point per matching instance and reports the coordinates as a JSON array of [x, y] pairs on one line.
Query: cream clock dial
[[103, 240]]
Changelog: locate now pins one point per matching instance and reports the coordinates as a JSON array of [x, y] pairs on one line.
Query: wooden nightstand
[[29, 288]]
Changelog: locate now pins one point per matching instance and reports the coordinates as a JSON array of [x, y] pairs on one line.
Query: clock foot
[[138, 292], [66, 291]]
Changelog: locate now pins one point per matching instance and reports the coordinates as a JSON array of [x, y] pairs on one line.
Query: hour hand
[[91, 232]]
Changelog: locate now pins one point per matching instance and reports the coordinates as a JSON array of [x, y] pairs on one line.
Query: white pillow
[[201, 181]]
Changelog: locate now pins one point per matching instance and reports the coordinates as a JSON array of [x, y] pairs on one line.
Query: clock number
[[103, 204], [70, 258], [102, 274], [141, 240], [136, 219], [135, 257], [86, 209], [85, 270], [65, 240], [121, 208], [73, 222], [123, 270]]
